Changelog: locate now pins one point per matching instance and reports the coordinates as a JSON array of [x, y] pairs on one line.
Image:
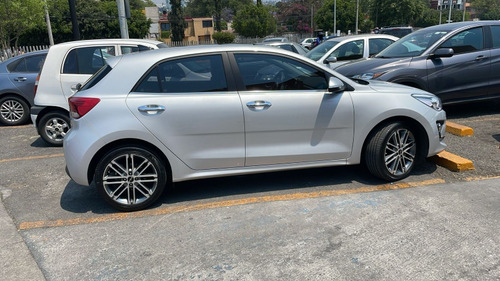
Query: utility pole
[[122, 19], [450, 2], [74, 20], [357, 15], [49, 27], [464, 6], [335, 17]]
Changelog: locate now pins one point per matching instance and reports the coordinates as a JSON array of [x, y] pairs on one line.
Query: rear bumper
[[35, 111]]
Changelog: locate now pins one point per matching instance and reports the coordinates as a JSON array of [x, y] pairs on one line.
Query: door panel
[[289, 115], [192, 113]]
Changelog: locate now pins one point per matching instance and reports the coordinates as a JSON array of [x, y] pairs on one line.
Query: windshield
[[321, 49], [413, 44]]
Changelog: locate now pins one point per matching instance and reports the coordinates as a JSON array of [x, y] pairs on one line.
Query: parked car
[[339, 50], [307, 43], [17, 81], [289, 46], [399, 31], [67, 65], [275, 39], [458, 62], [148, 119]]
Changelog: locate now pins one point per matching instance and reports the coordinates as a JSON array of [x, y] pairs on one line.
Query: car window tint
[[134, 49], [196, 74], [349, 51], [378, 44], [495, 30], [470, 40], [34, 63], [87, 60], [271, 72], [18, 66]]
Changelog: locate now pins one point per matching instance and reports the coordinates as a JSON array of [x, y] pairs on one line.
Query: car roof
[[458, 25], [108, 41], [362, 36], [152, 56]]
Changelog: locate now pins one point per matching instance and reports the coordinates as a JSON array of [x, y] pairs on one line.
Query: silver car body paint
[[215, 134]]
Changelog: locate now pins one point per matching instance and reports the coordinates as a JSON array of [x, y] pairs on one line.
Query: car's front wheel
[[130, 178], [391, 152], [53, 127], [13, 111]]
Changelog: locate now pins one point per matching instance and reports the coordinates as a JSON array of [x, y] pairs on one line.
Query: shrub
[[223, 37]]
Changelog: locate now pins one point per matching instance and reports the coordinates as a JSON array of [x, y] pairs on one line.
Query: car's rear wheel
[[13, 111], [391, 152], [130, 178], [53, 127]]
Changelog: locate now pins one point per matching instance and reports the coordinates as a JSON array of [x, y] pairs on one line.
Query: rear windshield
[[94, 79]]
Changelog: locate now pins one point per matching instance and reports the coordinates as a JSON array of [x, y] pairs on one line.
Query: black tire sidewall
[[155, 160], [374, 155], [26, 111]]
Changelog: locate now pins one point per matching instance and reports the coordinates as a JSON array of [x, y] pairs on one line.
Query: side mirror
[[443, 53], [335, 85], [76, 87], [330, 60]]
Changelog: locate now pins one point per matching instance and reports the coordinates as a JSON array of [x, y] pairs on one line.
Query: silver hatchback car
[[146, 120]]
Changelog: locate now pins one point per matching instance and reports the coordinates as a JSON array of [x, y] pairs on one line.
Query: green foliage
[[96, 19], [223, 37], [176, 20], [165, 34], [487, 9], [254, 21], [16, 16], [397, 12], [346, 16], [206, 8]]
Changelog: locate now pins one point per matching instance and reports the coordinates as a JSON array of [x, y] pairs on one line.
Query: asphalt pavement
[[435, 232]]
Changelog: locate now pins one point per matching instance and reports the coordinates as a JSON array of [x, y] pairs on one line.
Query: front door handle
[[151, 109], [478, 58], [20, 79], [259, 105]]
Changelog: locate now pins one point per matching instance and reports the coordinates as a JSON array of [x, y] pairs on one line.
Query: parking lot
[[313, 223]]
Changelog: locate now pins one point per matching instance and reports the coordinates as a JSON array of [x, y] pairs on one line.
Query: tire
[[53, 127], [130, 178], [13, 111], [391, 152]]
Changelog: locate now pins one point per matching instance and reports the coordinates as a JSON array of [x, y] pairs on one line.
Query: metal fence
[[12, 52]]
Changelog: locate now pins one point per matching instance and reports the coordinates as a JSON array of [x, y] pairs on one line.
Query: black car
[[17, 80], [459, 62]]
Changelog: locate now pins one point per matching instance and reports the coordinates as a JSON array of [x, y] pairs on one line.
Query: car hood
[[372, 65], [388, 87]]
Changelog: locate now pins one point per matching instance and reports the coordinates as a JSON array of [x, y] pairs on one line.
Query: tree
[[346, 15], [176, 20], [487, 9], [294, 15], [16, 16], [397, 12], [254, 21]]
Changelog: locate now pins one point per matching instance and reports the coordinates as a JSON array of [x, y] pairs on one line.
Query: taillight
[[79, 106], [36, 85]]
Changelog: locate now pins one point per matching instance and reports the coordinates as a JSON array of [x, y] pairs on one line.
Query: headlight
[[429, 100], [368, 76]]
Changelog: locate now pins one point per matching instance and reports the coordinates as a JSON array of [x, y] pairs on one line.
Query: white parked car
[[339, 50], [146, 120], [66, 65], [307, 43]]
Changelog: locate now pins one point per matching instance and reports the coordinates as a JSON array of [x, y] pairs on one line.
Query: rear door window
[[87, 60], [195, 74]]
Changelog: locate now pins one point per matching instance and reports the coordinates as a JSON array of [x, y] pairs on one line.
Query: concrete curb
[[17, 263], [452, 162], [459, 130]]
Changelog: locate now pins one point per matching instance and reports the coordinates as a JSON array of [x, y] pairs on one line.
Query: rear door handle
[[478, 58], [259, 105], [151, 109], [20, 79]]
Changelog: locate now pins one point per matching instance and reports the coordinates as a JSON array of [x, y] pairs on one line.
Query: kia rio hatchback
[[146, 120]]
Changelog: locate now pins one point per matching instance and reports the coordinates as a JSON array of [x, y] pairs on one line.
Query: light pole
[[464, 6], [335, 17], [450, 2], [357, 15], [49, 27]]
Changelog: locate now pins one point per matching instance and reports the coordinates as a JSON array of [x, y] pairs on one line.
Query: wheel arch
[[50, 109], [123, 143], [16, 95], [419, 133]]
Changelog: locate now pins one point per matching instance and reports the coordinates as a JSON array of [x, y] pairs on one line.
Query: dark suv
[[459, 62]]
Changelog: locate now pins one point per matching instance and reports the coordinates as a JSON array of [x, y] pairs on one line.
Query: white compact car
[[148, 119], [339, 50], [66, 65]]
